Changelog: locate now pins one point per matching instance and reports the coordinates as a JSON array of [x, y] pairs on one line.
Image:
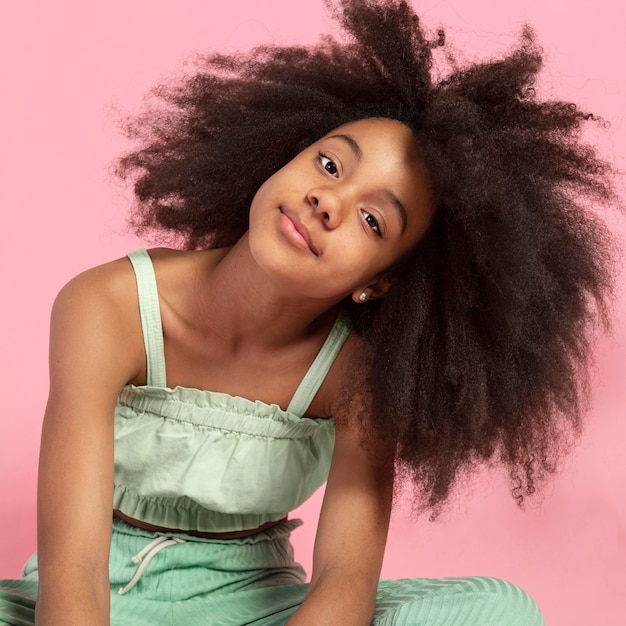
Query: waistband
[[283, 528]]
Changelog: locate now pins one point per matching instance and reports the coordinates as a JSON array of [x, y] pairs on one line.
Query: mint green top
[[192, 459]]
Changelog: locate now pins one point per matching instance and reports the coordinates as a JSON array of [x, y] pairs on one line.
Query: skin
[[247, 321]]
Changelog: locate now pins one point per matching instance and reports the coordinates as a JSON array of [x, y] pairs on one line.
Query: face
[[331, 221]]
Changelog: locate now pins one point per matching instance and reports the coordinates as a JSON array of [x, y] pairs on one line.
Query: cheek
[[361, 258], [260, 198], [262, 210]]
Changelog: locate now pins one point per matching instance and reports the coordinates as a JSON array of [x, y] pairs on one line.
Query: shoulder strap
[[150, 313], [316, 374]]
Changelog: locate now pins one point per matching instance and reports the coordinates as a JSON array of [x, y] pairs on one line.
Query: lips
[[300, 228]]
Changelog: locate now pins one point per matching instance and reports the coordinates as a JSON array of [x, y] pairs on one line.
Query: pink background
[[68, 66]]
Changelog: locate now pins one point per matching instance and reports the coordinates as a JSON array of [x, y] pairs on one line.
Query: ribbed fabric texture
[[255, 581]]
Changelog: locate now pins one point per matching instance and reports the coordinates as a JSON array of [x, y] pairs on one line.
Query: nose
[[327, 206]]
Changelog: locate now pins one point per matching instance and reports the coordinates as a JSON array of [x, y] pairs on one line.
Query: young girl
[[386, 275]]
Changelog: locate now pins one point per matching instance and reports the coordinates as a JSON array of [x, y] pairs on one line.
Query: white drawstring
[[139, 556], [150, 551]]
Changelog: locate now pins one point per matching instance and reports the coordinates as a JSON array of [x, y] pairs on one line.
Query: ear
[[373, 291]]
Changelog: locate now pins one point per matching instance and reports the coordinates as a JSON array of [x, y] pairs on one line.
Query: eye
[[328, 164], [372, 222]]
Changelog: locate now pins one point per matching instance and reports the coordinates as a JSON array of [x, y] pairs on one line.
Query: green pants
[[179, 579]]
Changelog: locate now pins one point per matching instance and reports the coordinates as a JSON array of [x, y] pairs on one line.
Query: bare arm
[[351, 535], [93, 353]]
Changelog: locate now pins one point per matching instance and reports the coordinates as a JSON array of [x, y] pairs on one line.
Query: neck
[[248, 308]]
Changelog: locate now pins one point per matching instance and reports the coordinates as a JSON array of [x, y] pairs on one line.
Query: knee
[[474, 601], [509, 604]]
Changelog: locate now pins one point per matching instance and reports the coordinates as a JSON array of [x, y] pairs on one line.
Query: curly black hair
[[481, 351]]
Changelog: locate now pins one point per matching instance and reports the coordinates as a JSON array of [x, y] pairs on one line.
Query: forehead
[[377, 134]]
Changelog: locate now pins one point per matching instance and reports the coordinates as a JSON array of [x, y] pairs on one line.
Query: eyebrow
[[395, 201], [391, 197], [353, 145]]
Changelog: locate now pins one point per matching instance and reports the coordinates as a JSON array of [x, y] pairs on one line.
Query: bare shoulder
[[103, 291], [95, 323], [98, 311], [111, 276], [110, 290]]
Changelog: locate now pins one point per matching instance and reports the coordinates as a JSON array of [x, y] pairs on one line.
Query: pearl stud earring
[[363, 296]]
